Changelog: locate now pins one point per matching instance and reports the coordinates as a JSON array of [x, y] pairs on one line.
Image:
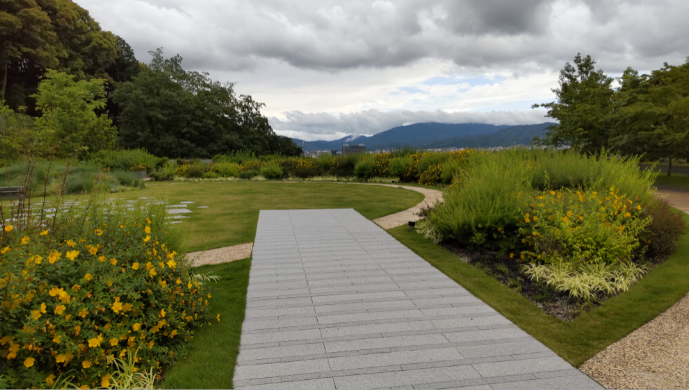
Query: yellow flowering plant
[[104, 281]]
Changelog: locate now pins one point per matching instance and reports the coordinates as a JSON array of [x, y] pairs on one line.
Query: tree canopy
[[173, 112]]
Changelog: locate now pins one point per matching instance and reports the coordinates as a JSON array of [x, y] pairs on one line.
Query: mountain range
[[437, 135]]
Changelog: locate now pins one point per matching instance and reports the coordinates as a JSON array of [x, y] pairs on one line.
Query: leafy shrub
[[94, 285], [428, 160], [365, 168], [404, 168], [128, 178], [272, 171], [196, 170], [127, 160], [325, 162], [227, 169], [343, 165], [660, 237], [382, 164], [165, 173], [431, 176], [251, 165], [237, 157], [248, 174], [305, 168]]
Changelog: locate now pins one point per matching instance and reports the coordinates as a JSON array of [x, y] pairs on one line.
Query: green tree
[[652, 117], [69, 125], [170, 111], [17, 135], [584, 103], [36, 35]]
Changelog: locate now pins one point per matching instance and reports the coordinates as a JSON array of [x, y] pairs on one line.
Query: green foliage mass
[[173, 112]]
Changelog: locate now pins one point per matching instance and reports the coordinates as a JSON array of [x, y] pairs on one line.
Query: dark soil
[[508, 271]]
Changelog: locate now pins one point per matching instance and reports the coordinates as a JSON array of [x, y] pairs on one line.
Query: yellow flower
[[152, 272], [113, 261], [59, 309], [50, 380], [150, 344], [627, 214], [29, 362], [569, 214], [99, 232], [511, 255], [88, 277], [95, 342], [93, 250], [136, 326], [114, 342], [44, 233], [147, 238], [86, 364], [25, 240], [60, 358], [147, 230], [8, 228], [37, 259], [218, 317], [36, 314], [43, 308], [171, 263], [71, 243], [83, 312], [148, 221], [117, 307], [4, 250], [72, 254], [173, 333], [135, 266], [105, 381], [102, 258], [162, 313]]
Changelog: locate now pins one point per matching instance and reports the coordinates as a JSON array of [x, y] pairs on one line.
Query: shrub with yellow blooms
[[90, 286]]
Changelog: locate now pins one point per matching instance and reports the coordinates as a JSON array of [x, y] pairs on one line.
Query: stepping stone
[[187, 202], [176, 221], [177, 206], [178, 211], [177, 217], [202, 207]]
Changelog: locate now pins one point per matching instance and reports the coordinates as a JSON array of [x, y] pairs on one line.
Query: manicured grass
[[674, 182], [213, 350], [233, 207], [591, 332]]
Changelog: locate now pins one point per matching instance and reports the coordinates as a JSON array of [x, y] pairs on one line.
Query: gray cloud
[[314, 126]]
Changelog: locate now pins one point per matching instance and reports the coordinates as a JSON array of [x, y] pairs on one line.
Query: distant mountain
[[437, 135], [514, 135], [415, 135]]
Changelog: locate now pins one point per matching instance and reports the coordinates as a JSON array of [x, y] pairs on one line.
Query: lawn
[[674, 182], [233, 207], [589, 333]]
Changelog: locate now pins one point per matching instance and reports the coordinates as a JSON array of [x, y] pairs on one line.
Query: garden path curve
[[334, 301], [242, 251]]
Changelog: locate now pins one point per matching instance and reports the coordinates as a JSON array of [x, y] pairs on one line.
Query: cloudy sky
[[325, 69]]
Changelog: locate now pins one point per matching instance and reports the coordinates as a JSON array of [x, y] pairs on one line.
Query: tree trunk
[[4, 83], [669, 167]]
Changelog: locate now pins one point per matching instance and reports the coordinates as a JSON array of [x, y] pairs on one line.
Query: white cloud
[[348, 58]]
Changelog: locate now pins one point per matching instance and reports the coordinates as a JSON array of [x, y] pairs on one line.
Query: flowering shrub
[[304, 168], [251, 165], [366, 167], [382, 164], [582, 242], [432, 175], [91, 286]]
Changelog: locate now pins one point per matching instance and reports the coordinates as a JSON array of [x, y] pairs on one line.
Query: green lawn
[[674, 182], [213, 350], [591, 332]]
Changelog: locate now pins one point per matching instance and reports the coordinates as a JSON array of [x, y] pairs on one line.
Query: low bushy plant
[[661, 236], [248, 174], [403, 167], [89, 286], [272, 171], [127, 160], [305, 168], [366, 167], [227, 169]]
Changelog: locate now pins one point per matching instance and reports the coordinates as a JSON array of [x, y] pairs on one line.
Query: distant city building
[[348, 149], [315, 154]]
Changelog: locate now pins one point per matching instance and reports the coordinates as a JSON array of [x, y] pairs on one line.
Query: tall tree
[[69, 125], [584, 102], [49, 34], [173, 112], [653, 114]]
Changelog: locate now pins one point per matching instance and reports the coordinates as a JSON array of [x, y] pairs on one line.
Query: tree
[[69, 126], [652, 117], [584, 103], [17, 135], [177, 113], [36, 35]]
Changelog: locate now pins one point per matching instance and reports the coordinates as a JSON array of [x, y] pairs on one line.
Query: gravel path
[[241, 251], [656, 355]]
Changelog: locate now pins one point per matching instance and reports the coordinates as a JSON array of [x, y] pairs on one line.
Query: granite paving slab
[[335, 302]]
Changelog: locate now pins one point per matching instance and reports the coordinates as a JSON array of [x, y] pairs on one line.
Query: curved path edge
[[242, 251]]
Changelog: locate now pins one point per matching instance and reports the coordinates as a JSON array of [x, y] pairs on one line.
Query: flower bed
[[91, 285]]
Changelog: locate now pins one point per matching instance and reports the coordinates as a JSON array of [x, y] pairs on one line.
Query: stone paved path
[[335, 302]]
